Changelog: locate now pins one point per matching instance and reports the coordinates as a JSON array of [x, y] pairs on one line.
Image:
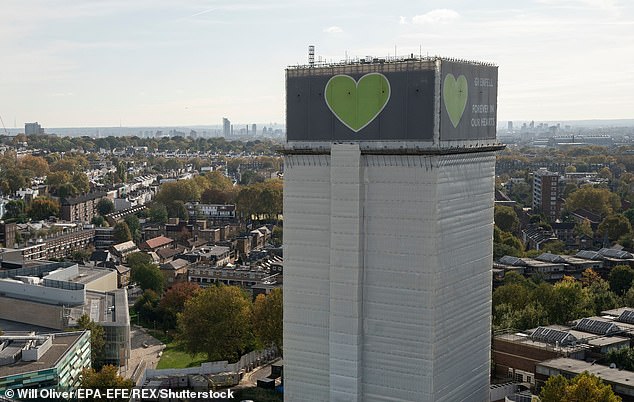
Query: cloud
[[439, 16], [402, 20], [333, 30]]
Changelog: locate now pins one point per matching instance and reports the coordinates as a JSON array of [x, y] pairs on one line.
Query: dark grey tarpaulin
[[468, 102], [408, 114], [479, 117]]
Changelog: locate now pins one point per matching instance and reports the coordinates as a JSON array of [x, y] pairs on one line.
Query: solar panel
[[548, 257], [552, 336], [588, 255], [626, 316], [612, 253], [510, 260], [597, 327]]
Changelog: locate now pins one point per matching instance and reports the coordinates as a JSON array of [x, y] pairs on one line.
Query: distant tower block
[[311, 55], [388, 230]]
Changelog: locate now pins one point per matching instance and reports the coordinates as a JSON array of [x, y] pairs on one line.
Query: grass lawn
[[175, 357]]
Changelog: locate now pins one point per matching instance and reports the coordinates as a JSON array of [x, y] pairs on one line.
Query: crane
[[5, 129]]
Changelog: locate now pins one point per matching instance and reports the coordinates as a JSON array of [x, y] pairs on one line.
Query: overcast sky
[[69, 63]]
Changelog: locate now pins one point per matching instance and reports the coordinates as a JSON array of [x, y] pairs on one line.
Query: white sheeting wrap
[[387, 276]]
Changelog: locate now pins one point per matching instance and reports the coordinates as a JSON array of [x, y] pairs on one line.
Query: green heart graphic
[[455, 93], [356, 104]]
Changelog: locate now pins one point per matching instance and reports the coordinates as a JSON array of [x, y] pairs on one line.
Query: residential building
[[383, 216], [7, 234], [546, 194], [175, 271], [55, 246], [226, 128], [122, 250], [156, 243], [82, 208], [33, 129]]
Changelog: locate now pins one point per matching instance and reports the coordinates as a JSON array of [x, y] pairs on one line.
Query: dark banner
[[468, 109], [375, 106]]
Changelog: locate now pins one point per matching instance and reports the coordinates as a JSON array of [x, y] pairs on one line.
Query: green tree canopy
[[615, 226], [158, 213], [97, 340], [15, 211], [596, 200], [42, 208], [148, 276], [621, 277], [217, 322], [121, 233], [135, 227], [267, 318], [104, 379], [585, 387], [105, 206], [506, 218]]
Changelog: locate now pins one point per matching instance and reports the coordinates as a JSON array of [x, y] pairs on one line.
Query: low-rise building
[[122, 250], [53, 361], [620, 380]]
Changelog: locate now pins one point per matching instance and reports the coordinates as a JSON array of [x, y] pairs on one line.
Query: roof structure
[[613, 253], [626, 316], [548, 257], [597, 327], [589, 255], [553, 336], [510, 260], [158, 241]]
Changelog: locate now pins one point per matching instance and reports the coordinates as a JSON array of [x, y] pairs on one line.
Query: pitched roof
[[158, 241]]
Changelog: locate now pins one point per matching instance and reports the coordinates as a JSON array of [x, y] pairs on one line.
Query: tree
[[620, 279], [601, 296], [615, 226], [217, 322], [42, 208], [623, 358], [585, 387], [596, 200], [121, 233], [583, 229], [81, 182], [267, 318], [99, 221], [506, 218], [105, 206], [628, 298], [15, 210], [35, 165], [173, 302], [629, 214], [567, 302], [135, 259], [135, 227], [158, 213], [97, 340], [148, 276], [147, 306], [104, 379]]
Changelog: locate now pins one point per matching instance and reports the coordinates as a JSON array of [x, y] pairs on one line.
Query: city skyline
[[165, 64]]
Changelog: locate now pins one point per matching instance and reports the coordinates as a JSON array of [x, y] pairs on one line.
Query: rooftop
[[574, 366], [158, 241], [61, 343]]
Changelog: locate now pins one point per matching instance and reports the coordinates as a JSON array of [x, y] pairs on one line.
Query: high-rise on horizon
[[388, 221]]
